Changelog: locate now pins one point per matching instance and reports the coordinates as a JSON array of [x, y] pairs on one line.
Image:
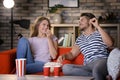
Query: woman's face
[[43, 26]]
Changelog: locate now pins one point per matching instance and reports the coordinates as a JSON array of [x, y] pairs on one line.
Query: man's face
[[83, 23]]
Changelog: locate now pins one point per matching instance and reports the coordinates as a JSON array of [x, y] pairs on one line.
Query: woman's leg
[[35, 67], [100, 69], [24, 51]]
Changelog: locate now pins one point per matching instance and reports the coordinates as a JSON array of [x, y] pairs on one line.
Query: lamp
[[10, 4], [24, 23]]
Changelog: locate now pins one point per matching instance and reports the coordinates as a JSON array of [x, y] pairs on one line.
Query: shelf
[[60, 29], [64, 25], [76, 25]]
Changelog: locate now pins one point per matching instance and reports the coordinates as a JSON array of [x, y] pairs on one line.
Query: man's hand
[[61, 58], [94, 22], [70, 55]]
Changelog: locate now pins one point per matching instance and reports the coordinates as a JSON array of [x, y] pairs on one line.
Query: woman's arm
[[53, 45]]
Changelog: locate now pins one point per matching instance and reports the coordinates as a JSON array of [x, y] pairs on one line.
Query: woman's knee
[[23, 40], [22, 47]]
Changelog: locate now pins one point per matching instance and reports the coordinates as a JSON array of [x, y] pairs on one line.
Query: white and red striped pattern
[[20, 67]]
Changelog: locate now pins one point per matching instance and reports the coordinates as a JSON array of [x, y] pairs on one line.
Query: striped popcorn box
[[20, 67]]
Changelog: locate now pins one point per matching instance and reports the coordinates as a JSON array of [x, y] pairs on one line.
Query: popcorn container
[[57, 71], [46, 71]]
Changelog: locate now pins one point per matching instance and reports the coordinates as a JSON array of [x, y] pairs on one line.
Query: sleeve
[[76, 42], [54, 38]]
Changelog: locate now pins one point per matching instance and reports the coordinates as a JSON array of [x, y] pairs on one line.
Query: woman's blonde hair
[[36, 25]]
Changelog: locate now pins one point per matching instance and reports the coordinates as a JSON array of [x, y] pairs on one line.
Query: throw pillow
[[113, 63]]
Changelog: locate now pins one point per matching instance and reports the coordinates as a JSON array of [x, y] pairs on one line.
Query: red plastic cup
[[46, 71], [20, 67], [57, 71]]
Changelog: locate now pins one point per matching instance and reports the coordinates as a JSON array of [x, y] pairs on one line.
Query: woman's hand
[[48, 33]]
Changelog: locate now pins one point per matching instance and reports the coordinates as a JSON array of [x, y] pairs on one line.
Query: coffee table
[[41, 77]]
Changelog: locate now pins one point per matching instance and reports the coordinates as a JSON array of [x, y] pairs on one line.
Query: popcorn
[[52, 65]]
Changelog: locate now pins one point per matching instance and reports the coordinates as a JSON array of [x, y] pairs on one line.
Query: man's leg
[[24, 51], [100, 69], [76, 70]]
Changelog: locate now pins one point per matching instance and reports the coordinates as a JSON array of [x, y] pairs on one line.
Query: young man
[[93, 43]]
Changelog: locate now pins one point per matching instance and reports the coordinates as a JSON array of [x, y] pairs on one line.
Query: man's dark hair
[[88, 15]]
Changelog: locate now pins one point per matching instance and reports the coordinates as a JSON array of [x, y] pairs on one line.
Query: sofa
[[7, 58]]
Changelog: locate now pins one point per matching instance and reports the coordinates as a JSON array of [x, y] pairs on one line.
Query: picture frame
[[65, 3]]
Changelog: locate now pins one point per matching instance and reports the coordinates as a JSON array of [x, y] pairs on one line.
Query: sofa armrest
[[7, 59]]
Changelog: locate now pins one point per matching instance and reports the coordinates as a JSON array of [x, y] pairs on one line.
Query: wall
[[30, 9]]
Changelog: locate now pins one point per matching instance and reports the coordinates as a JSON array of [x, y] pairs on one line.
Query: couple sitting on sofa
[[42, 47]]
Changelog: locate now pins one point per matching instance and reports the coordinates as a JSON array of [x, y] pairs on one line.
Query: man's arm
[[105, 37], [70, 55]]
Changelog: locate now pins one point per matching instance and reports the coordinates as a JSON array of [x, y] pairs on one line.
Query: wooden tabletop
[[40, 77]]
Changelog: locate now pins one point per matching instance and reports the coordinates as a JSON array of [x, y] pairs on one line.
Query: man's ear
[[90, 22]]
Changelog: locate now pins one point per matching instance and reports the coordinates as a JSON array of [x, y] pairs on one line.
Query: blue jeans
[[97, 69], [24, 51]]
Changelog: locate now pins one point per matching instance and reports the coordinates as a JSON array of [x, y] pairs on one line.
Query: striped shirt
[[92, 47]]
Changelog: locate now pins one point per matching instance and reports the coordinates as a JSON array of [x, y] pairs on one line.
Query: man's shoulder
[[80, 36]]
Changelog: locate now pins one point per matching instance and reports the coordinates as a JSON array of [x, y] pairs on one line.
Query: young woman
[[40, 48]]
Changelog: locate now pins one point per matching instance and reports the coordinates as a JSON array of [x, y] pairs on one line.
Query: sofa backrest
[[78, 60], [7, 59]]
